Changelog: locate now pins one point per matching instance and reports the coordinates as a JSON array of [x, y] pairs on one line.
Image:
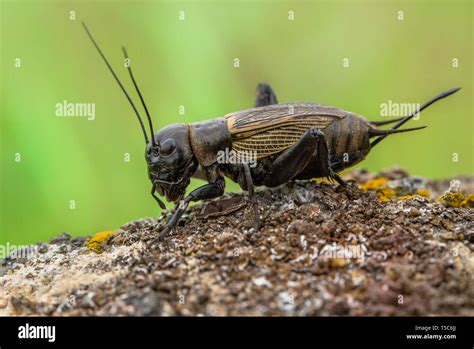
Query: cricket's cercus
[[287, 141]]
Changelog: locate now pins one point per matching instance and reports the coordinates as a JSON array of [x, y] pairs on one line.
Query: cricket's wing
[[271, 129]]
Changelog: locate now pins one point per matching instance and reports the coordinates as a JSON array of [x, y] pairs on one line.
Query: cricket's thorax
[[208, 138]]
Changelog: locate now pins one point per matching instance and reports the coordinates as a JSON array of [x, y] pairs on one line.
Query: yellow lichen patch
[[406, 197], [456, 199], [379, 185], [374, 184], [424, 192], [468, 201], [420, 192], [452, 199], [95, 243], [385, 194]]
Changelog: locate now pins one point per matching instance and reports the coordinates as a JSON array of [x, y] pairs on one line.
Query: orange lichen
[[97, 242]]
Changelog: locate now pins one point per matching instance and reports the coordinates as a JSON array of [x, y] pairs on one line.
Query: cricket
[[289, 141]]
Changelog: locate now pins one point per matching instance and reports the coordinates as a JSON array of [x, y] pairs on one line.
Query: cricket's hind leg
[[265, 95], [307, 159], [252, 197], [294, 162], [324, 162]]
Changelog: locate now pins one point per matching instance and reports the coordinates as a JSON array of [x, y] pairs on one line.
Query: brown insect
[[267, 145]]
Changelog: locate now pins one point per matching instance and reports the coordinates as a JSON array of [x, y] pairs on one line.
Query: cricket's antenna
[[141, 97], [407, 118], [118, 81]]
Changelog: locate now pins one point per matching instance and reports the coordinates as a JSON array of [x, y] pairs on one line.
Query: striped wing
[[272, 129]]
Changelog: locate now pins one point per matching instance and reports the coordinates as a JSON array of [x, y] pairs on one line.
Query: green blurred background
[[190, 63]]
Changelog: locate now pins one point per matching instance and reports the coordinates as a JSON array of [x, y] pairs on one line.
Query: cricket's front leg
[[208, 191]]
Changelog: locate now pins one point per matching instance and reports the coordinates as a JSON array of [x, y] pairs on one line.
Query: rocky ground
[[388, 244]]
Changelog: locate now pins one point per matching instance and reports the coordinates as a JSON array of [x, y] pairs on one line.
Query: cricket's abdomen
[[348, 144]]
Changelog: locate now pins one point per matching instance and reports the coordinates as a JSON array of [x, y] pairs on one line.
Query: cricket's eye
[[168, 146]]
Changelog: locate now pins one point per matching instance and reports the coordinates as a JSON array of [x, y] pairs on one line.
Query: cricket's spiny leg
[[325, 160], [253, 199], [265, 95]]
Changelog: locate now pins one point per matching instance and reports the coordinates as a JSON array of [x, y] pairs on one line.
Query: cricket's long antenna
[[424, 106], [141, 97], [117, 79]]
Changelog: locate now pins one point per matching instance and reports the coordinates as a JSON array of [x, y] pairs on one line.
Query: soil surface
[[386, 244]]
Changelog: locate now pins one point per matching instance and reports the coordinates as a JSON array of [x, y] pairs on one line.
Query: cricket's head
[[170, 160]]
